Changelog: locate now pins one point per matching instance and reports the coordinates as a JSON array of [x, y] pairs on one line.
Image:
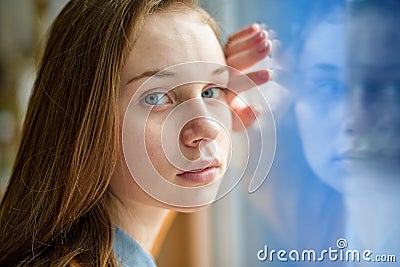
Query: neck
[[141, 222]]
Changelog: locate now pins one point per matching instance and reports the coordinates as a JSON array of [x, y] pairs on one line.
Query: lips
[[367, 155], [203, 173]]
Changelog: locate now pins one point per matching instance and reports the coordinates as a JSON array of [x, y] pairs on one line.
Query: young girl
[[71, 199]]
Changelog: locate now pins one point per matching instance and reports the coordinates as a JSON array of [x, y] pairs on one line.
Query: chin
[[332, 175]]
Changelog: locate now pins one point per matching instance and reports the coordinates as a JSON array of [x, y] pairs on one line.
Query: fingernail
[[264, 75], [259, 26], [262, 47], [262, 34], [255, 26]]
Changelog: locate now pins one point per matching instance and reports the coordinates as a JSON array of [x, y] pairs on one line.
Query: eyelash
[[219, 89], [154, 99], [159, 96]]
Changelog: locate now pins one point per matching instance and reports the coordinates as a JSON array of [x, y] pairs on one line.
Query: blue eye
[[156, 99], [213, 92], [329, 88]]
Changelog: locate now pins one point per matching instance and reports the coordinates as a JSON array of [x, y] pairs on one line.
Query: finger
[[245, 117], [243, 82], [259, 77], [245, 44], [245, 32], [250, 57]]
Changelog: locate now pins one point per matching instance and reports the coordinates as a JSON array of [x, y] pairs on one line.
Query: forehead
[[361, 40], [374, 38], [171, 38], [325, 44]]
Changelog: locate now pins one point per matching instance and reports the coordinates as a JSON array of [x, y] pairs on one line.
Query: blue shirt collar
[[128, 252]]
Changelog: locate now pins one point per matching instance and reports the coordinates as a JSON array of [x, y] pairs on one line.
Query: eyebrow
[[155, 73], [165, 74], [220, 70]]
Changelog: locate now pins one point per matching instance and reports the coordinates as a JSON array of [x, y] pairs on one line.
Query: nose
[[199, 129], [360, 115]]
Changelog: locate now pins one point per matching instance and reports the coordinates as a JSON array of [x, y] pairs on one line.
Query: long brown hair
[[55, 211]]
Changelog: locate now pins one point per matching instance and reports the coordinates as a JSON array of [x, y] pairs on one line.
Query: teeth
[[196, 170]]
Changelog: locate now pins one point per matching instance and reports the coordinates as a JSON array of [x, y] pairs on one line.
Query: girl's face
[[175, 118], [320, 104], [349, 114]]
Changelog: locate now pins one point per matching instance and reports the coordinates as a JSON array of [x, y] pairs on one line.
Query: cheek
[[309, 125], [315, 132], [224, 143], [225, 134], [319, 125], [122, 183], [388, 114], [152, 137], [220, 112], [141, 143], [155, 149]]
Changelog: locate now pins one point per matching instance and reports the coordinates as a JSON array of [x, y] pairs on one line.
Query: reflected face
[[188, 151], [349, 111]]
